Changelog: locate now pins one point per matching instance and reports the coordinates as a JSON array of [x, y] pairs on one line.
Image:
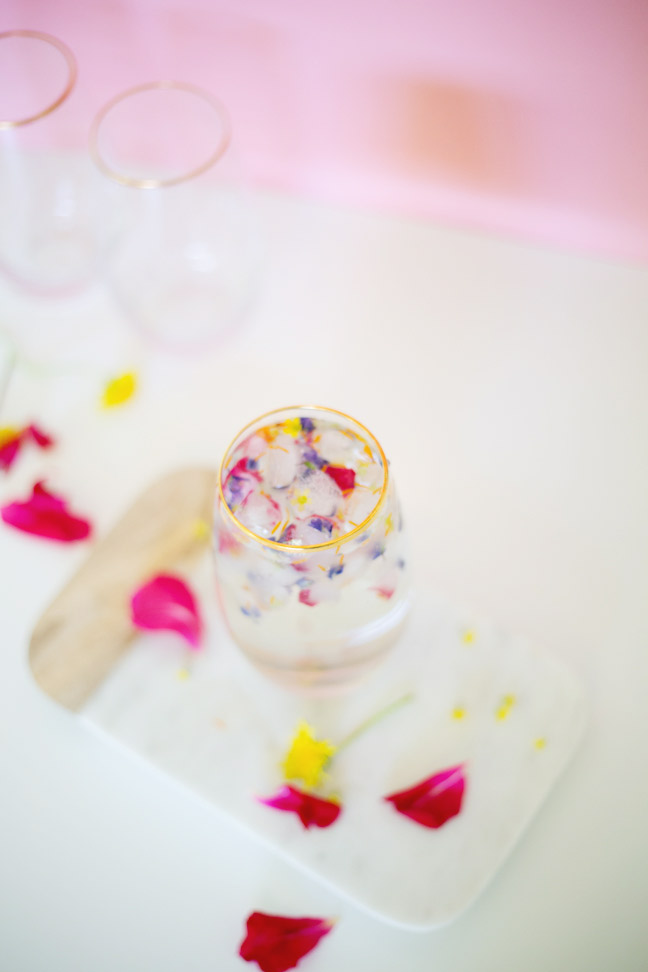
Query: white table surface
[[509, 386]]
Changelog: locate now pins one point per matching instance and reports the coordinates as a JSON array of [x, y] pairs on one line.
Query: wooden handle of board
[[87, 628]]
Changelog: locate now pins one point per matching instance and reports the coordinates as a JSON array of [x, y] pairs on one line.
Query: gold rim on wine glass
[[158, 183], [297, 548], [71, 81]]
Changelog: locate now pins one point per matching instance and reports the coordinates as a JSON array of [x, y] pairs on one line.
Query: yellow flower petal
[[458, 712], [468, 636], [292, 427], [540, 743], [119, 390], [7, 433], [503, 710], [200, 529], [307, 756]]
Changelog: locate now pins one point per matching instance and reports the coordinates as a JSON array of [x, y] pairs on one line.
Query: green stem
[[372, 720]]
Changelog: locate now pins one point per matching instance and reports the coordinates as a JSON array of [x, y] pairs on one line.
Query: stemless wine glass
[[309, 547], [185, 268], [54, 223]]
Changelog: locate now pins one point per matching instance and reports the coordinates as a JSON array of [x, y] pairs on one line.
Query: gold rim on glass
[[71, 81], [313, 546], [144, 183]]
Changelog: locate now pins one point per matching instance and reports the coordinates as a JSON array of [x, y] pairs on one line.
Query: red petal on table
[[165, 603], [46, 515], [312, 811], [306, 597], [343, 477], [40, 438], [433, 801], [276, 943]]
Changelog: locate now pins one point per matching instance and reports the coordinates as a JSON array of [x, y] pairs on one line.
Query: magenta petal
[[165, 603], [277, 944], [306, 597], [40, 438], [313, 811], [45, 514], [435, 800], [341, 476]]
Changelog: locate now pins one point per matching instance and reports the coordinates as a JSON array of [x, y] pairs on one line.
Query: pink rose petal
[[433, 801], [344, 478], [313, 811], [41, 438], [240, 482], [385, 592], [277, 943], [165, 603], [306, 597], [47, 515]]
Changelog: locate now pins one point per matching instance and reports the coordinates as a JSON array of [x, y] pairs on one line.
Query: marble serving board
[[511, 715]]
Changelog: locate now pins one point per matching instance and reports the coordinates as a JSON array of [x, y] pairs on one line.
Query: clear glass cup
[[185, 268], [310, 614], [56, 221]]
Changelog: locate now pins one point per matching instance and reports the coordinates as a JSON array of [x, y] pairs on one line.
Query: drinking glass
[[55, 222], [310, 603], [184, 270]]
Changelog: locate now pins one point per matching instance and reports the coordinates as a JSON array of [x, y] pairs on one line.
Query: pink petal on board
[[341, 476], [165, 603], [277, 943], [433, 801], [47, 515], [313, 811]]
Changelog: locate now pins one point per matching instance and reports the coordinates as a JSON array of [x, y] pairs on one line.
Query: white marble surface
[[525, 371], [215, 726]]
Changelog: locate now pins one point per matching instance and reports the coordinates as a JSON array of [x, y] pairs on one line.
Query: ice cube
[[259, 513], [278, 465], [359, 506], [335, 447], [316, 493]]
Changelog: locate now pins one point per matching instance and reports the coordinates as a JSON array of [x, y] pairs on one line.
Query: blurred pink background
[[524, 118]]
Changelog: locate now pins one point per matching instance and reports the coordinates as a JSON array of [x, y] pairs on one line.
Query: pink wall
[[521, 116]]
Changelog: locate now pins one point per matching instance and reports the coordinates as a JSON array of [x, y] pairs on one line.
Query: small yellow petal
[[307, 756], [183, 673], [7, 433], [540, 743], [458, 712], [468, 636], [119, 390], [201, 529], [292, 427], [503, 710], [389, 525]]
